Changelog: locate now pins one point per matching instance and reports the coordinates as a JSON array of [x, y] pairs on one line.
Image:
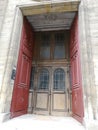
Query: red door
[[77, 97], [19, 103]]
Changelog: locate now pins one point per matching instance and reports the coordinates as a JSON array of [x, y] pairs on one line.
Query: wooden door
[[59, 95], [21, 86], [51, 93], [42, 91], [77, 96]]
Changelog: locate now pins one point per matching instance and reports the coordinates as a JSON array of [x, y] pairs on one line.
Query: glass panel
[[59, 79], [32, 78], [45, 47], [44, 80], [59, 50]]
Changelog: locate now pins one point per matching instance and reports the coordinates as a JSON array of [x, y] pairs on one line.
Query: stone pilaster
[[88, 28]]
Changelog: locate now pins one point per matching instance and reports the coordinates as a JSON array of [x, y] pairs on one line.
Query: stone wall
[[88, 20], [9, 52], [93, 17], [3, 6]]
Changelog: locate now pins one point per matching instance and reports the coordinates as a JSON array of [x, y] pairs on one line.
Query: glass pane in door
[[45, 47], [59, 49], [44, 80], [59, 79]]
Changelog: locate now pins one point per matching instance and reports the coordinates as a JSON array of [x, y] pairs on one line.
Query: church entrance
[[50, 74], [49, 51]]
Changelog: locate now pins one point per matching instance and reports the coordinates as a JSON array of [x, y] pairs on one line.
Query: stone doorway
[[67, 26]]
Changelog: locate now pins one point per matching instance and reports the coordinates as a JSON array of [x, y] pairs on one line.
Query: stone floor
[[31, 122], [92, 125]]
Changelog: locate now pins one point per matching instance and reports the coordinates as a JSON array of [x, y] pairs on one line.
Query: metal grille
[[44, 80], [59, 79]]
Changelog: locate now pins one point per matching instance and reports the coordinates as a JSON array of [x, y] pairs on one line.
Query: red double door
[[77, 95], [19, 103], [21, 87]]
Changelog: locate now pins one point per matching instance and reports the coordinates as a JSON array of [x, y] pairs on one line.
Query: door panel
[[42, 103], [75, 69], [58, 102], [21, 85], [42, 91], [25, 65], [77, 96], [59, 91], [76, 101], [39, 101]]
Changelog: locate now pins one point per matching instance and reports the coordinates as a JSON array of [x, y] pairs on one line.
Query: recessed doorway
[[50, 73], [45, 55]]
